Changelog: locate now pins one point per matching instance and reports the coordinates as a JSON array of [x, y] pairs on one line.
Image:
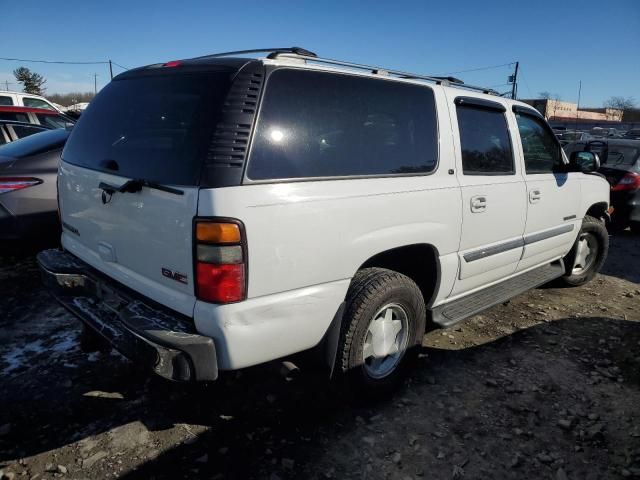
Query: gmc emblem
[[178, 277]]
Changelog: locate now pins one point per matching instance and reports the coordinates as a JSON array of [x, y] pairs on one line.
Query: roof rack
[[308, 56], [384, 71], [273, 52]]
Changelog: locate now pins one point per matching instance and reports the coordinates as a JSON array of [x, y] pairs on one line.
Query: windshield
[[621, 156], [36, 143], [156, 128]]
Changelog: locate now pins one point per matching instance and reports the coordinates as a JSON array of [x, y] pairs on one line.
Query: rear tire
[[383, 322], [588, 254]]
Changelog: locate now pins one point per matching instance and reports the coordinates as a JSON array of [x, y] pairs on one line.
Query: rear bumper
[[626, 205], [147, 334]]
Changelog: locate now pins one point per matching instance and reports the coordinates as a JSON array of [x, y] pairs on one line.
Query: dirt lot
[[546, 386]]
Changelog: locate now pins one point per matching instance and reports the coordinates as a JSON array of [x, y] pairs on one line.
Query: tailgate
[[153, 128], [142, 239]]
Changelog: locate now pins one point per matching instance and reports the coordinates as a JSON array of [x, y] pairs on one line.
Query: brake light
[[10, 184], [172, 63], [631, 181], [220, 264]]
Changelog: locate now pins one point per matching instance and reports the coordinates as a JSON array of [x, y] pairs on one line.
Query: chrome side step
[[465, 307]]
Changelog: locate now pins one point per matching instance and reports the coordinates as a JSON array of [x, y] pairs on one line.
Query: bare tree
[[32, 82], [620, 103]]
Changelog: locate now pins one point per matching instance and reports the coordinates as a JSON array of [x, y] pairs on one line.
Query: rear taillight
[[220, 265], [9, 184], [631, 181]]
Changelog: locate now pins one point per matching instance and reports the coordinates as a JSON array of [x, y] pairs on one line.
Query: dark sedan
[[28, 197], [620, 164]]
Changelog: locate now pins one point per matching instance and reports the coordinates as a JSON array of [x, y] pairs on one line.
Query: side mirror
[[584, 162]]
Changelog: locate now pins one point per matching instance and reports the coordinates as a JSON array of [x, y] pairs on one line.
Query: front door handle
[[535, 196], [478, 203]]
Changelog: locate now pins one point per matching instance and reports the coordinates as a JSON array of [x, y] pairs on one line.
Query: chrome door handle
[[535, 196], [478, 203]]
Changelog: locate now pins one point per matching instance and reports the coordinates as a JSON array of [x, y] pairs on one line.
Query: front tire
[[383, 322], [588, 254]]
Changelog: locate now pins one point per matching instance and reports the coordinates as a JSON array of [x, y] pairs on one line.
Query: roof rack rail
[[273, 52], [384, 71]]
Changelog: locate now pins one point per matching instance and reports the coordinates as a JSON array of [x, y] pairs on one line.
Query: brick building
[[559, 110]]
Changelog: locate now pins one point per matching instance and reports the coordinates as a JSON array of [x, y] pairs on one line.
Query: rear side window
[[5, 101], [540, 147], [485, 143], [22, 131], [43, 142], [15, 116], [316, 124], [156, 128]]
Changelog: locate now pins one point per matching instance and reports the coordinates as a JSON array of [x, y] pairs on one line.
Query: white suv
[[19, 99], [221, 212]]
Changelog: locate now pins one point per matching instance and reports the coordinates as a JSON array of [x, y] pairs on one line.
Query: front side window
[[53, 121], [541, 150], [484, 140], [36, 103], [316, 124], [5, 101]]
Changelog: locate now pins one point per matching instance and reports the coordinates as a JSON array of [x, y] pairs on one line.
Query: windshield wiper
[[135, 185]]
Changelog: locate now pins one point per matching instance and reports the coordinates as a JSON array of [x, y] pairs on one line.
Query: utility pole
[[110, 69], [578, 107], [95, 83], [514, 84], [6, 82]]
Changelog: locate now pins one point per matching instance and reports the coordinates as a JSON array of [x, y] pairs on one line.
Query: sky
[[558, 43]]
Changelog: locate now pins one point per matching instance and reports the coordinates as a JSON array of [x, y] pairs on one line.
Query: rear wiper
[[135, 185]]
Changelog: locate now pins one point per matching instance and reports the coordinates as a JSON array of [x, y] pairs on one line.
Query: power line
[[118, 65], [52, 61], [480, 68]]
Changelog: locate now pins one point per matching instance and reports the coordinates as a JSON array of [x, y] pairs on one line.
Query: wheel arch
[[419, 261]]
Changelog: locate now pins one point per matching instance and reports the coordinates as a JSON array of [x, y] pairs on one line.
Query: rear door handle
[[478, 203], [535, 196]]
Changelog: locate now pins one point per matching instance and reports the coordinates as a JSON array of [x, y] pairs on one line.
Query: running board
[[449, 313]]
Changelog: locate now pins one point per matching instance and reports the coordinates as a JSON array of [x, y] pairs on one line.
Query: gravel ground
[[544, 386]]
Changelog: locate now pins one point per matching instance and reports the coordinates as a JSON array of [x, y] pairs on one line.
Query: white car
[[224, 211], [20, 99]]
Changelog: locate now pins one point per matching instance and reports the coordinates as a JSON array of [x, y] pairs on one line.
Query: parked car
[[569, 136], [223, 212], [20, 99], [11, 130], [633, 134], [620, 164], [28, 201], [37, 116]]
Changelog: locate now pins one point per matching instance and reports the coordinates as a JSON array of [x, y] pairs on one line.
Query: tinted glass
[[22, 131], [152, 127], [53, 121], [15, 116], [315, 124], [540, 148], [4, 100], [36, 103], [485, 143], [42, 142], [622, 156]]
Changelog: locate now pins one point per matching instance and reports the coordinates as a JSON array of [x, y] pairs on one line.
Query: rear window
[[156, 128], [4, 100], [315, 124], [39, 143]]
